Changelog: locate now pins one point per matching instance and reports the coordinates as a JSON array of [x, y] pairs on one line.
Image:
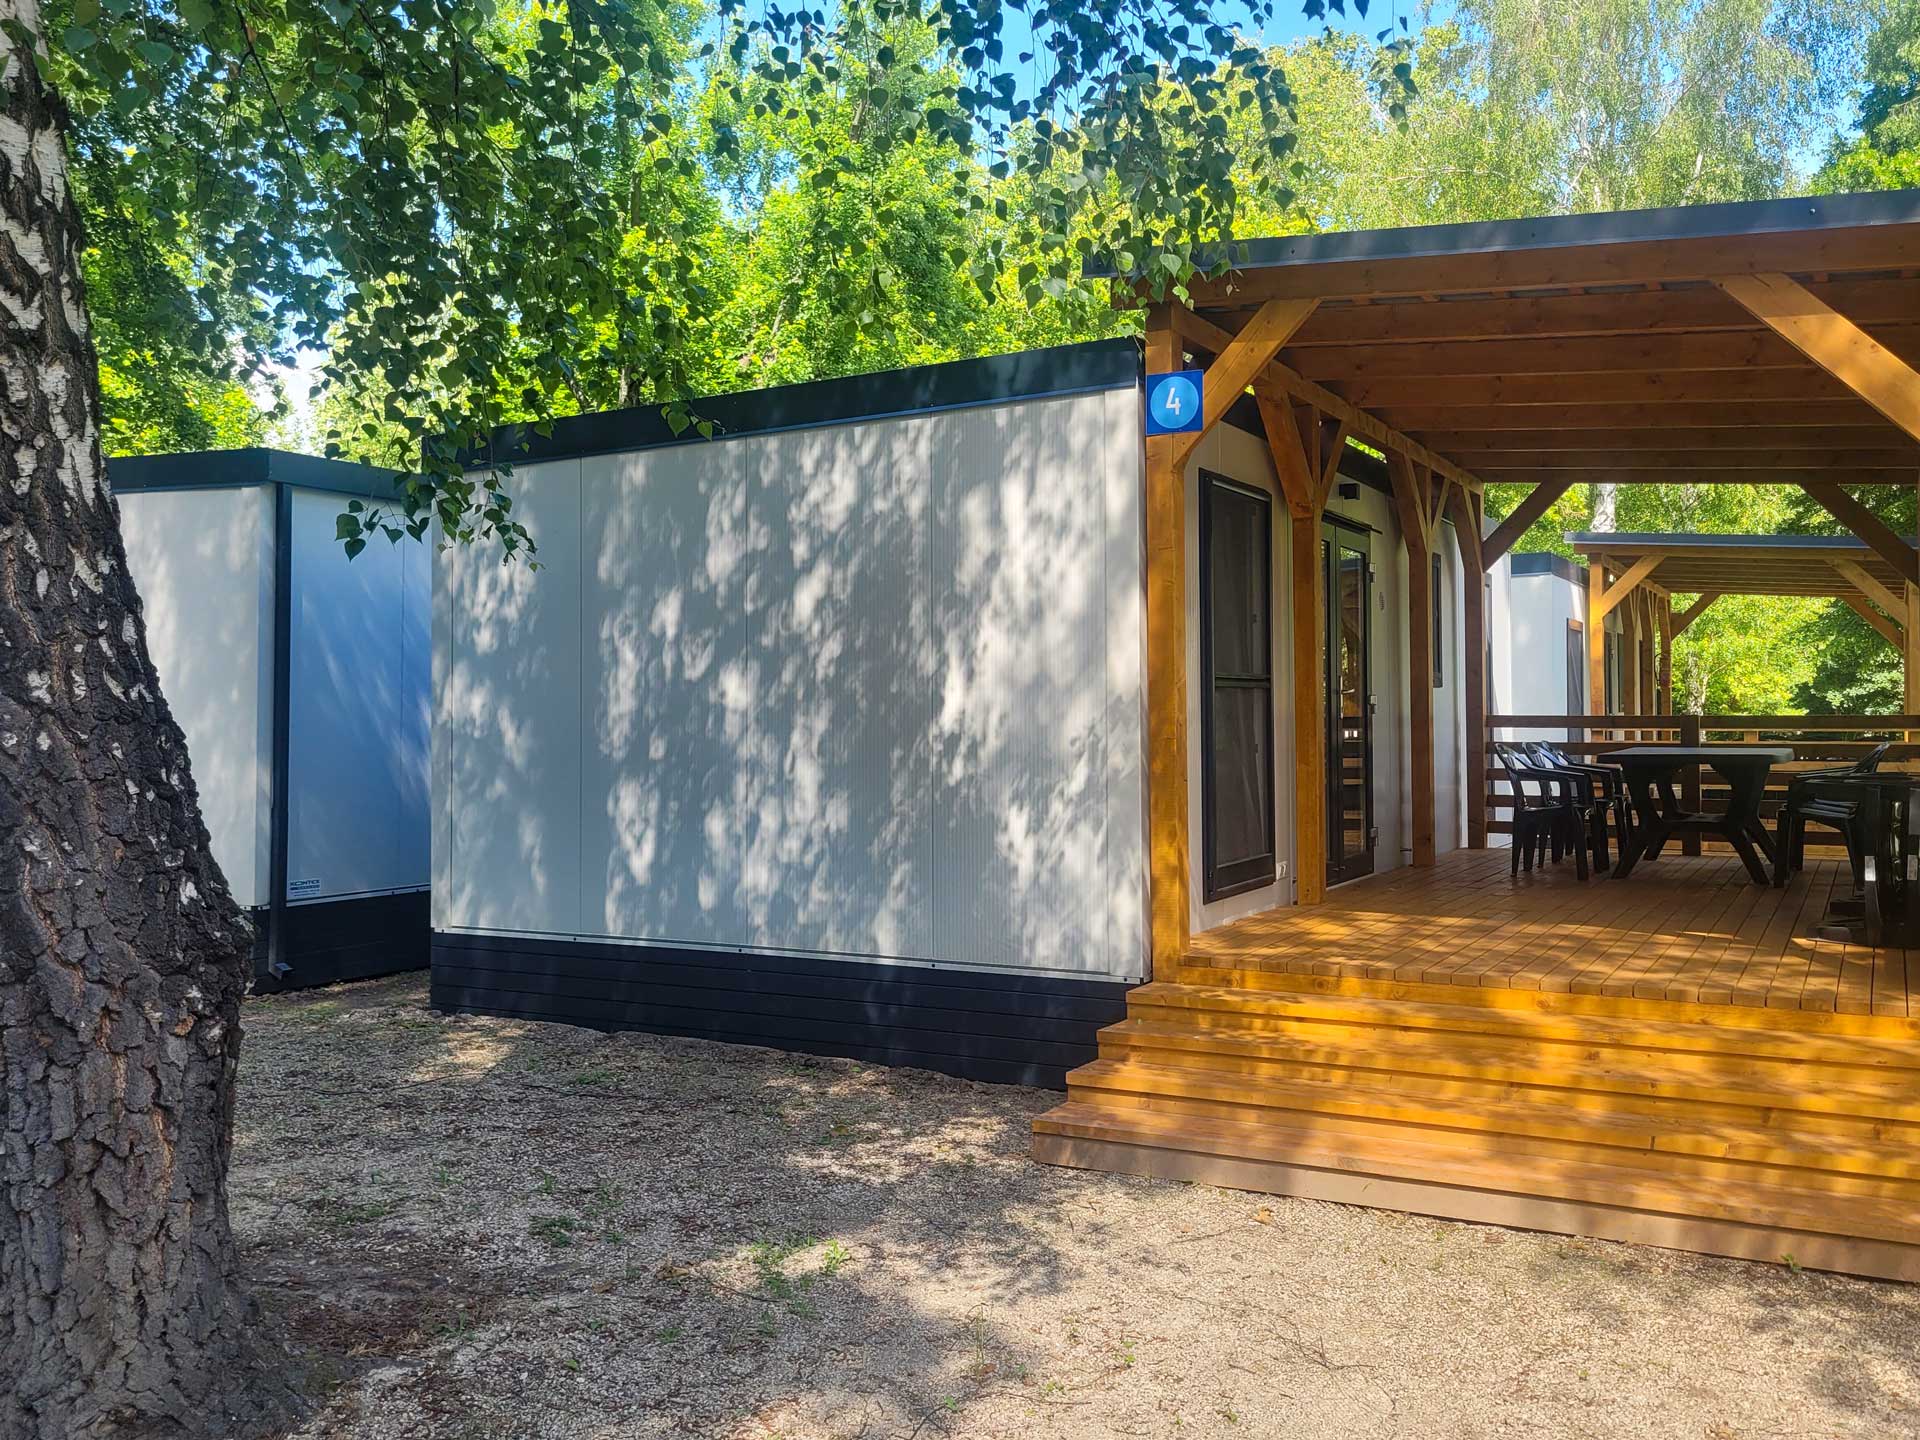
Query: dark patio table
[[1651, 769]]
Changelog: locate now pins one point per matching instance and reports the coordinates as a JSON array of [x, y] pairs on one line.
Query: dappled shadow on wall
[[847, 690]]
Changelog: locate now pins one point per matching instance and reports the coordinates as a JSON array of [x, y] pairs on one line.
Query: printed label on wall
[[302, 887]]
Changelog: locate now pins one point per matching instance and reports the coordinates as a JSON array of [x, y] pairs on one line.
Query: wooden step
[[1858, 1040], [1217, 973], [1823, 1095], [1437, 1174], [1694, 1142]]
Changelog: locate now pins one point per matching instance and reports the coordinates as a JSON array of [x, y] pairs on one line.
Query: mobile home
[[828, 732], [301, 681]]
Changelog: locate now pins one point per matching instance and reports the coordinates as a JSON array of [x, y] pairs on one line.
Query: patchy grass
[[481, 1228]]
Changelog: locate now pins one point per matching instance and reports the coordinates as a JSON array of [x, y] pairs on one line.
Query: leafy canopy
[[444, 196]]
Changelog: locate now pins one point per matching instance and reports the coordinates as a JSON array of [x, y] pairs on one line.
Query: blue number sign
[[1173, 402]]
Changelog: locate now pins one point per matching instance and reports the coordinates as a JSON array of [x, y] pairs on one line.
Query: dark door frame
[[1253, 872], [1335, 531]]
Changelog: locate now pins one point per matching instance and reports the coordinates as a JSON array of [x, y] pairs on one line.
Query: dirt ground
[[484, 1230]]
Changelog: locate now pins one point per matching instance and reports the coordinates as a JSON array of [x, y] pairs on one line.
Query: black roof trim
[[1546, 562], [1673, 222], [922, 389], [1654, 539], [255, 465]]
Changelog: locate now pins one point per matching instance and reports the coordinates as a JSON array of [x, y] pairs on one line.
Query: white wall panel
[[357, 734], [666, 585], [1020, 698], [867, 690], [202, 561], [1123, 458], [509, 713]]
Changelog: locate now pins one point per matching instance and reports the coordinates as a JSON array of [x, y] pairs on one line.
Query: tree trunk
[[123, 956]]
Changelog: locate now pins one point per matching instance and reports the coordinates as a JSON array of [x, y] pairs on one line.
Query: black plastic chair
[[1598, 791], [1820, 797], [1547, 819]]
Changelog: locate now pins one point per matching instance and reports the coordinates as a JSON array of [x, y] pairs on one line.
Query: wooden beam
[[1623, 587], [1308, 623], [1742, 351], [1237, 362], [1860, 579], [1652, 435], [1648, 662], [1664, 610], [1473, 666], [1888, 631], [1209, 337], [1535, 503], [1871, 302], [1411, 505], [1512, 474], [1867, 526], [1333, 449], [1910, 648], [1596, 623], [1298, 483], [1831, 249], [1863, 364], [1423, 419], [1612, 387], [1728, 456], [1694, 611], [1169, 848]]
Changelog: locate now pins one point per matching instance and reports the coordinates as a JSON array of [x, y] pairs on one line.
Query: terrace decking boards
[[1666, 1061]]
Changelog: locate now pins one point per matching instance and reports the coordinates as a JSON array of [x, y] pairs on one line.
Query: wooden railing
[[1817, 741]]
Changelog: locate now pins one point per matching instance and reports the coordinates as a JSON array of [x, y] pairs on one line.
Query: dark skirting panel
[[353, 939], [1009, 1029]]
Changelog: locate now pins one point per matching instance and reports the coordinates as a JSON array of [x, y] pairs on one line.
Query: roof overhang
[[1822, 565], [1703, 344]]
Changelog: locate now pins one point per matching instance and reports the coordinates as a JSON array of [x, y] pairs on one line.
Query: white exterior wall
[[1540, 607], [869, 690], [360, 712], [202, 561]]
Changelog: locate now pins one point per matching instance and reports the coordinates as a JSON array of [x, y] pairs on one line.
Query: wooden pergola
[[1638, 575], [1749, 343]]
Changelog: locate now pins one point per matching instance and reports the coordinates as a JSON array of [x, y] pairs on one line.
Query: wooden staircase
[[1765, 1134]]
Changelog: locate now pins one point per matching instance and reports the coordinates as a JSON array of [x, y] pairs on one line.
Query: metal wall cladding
[[864, 690], [507, 709], [202, 561], [360, 710]]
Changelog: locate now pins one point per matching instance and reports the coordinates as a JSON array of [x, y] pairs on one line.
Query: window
[[1439, 626], [1610, 673]]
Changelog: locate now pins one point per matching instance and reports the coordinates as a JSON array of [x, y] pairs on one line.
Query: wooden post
[[1910, 650], [1465, 513], [1690, 782], [1643, 614], [1412, 503], [1305, 495], [1665, 605], [1596, 641], [1168, 847]]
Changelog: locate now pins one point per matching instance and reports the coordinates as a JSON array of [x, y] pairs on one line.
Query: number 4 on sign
[[1173, 402]]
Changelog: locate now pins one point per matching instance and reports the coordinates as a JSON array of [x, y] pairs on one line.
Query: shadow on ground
[[486, 1228]]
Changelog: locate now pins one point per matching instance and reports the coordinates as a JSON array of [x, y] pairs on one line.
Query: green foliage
[[465, 206], [167, 366]]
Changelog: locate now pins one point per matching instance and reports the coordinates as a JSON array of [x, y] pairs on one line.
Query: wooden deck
[[1691, 929], [1666, 1060]]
